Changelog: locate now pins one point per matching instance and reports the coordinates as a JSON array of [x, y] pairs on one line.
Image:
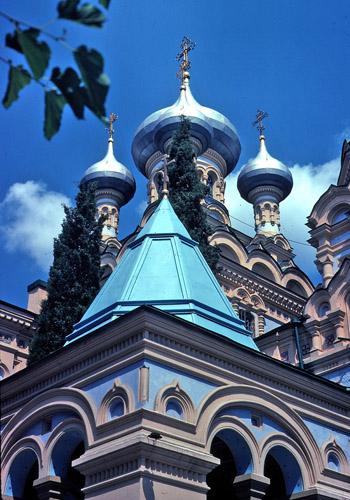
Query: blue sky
[[289, 58]]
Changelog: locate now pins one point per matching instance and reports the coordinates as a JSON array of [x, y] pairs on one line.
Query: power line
[[249, 225]]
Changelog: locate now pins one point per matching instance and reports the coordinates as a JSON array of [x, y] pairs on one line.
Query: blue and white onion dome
[[264, 171], [209, 129], [110, 174]]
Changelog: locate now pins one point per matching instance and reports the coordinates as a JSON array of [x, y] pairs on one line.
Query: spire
[[115, 185], [164, 268], [265, 182]]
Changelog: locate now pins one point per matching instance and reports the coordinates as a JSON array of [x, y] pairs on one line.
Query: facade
[[143, 403], [179, 384]]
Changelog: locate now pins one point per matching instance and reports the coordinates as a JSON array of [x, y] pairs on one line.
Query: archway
[[235, 459], [284, 473], [23, 472], [69, 447]]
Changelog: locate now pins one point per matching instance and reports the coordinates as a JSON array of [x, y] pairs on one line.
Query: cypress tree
[[186, 192], [74, 278]]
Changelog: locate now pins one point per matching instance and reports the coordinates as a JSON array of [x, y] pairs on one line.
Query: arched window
[[333, 462], [263, 271], [210, 184], [323, 309], [174, 409], [117, 408]]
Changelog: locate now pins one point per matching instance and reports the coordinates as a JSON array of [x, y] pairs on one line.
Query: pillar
[[250, 486]]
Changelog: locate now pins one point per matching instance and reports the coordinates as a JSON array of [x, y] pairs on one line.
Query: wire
[[292, 241]]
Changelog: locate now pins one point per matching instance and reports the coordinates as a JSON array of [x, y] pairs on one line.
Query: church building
[[177, 383]]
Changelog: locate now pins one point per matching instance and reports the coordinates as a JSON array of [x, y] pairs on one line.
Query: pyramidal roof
[[164, 268]]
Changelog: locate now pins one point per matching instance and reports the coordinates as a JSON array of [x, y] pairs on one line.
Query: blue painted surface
[[245, 414], [159, 377], [322, 433], [18, 473], [36, 428], [164, 268], [62, 453], [290, 468], [333, 462], [173, 409], [341, 376], [116, 409], [128, 376], [239, 449]]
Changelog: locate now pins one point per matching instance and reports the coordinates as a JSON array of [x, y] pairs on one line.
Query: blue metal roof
[[164, 268]]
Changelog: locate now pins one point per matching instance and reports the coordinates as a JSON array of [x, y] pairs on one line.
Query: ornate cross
[[182, 57], [165, 191], [112, 119], [259, 117]]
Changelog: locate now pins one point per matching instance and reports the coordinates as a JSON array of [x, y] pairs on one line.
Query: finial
[[165, 191], [259, 117], [112, 119], [182, 57]]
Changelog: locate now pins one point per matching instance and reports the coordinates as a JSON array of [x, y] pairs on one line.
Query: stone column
[[250, 486], [51, 488]]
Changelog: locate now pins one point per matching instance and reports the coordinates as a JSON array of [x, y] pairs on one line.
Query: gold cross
[[182, 57], [259, 117], [112, 119]]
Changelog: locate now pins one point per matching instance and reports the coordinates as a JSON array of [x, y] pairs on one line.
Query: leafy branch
[[86, 89]]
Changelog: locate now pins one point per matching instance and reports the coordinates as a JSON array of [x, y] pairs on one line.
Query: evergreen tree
[[186, 192], [74, 278]]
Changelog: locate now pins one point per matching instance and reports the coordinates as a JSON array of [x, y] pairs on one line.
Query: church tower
[[115, 186], [214, 140]]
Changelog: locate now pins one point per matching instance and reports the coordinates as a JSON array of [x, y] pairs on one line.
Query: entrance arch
[[23, 472], [284, 473]]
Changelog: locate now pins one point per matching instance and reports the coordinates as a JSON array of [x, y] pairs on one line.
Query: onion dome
[[109, 174], [209, 130], [266, 171]]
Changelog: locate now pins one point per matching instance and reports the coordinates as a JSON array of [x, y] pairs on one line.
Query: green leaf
[[12, 42], [90, 63], [68, 83], [87, 14], [18, 78], [104, 3], [37, 53], [54, 104]]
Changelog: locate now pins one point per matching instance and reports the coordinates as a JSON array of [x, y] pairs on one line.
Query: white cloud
[[310, 182], [32, 217]]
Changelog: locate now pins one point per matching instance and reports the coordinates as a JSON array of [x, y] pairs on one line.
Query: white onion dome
[[264, 170], [109, 173], [209, 129]]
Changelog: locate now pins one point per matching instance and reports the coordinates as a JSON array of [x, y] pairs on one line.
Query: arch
[[225, 239], [174, 393], [265, 403], [263, 270], [64, 447], [22, 468], [281, 450], [119, 393], [229, 253], [295, 286], [51, 401], [338, 213], [334, 456]]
